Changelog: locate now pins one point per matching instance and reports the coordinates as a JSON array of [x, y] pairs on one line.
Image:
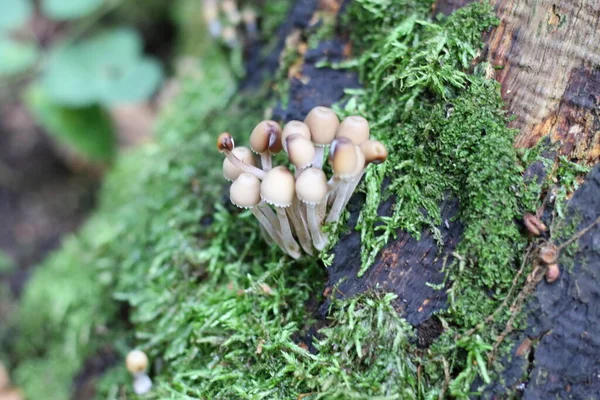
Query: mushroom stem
[[267, 218], [290, 244], [340, 201], [265, 161], [142, 383], [318, 237], [319, 155], [299, 223], [259, 173]]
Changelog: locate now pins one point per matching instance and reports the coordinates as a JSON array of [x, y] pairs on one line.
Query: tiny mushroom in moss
[[137, 364], [292, 208]]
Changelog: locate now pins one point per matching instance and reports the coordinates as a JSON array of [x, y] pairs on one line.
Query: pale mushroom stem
[[266, 161], [299, 223], [267, 218], [319, 155], [290, 244], [343, 197], [318, 237], [340, 202], [142, 383], [332, 185], [259, 173]]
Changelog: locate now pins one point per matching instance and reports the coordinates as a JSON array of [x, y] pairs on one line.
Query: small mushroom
[[244, 192], [355, 128], [301, 151], [225, 145], [294, 128], [232, 12], [549, 254], [533, 224], [552, 273], [249, 17], [265, 140], [278, 189], [230, 171], [311, 189], [375, 152], [137, 364], [345, 163], [210, 11], [323, 124]]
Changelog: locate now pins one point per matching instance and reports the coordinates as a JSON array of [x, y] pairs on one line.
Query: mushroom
[[278, 189], [225, 145], [230, 171], [323, 124], [211, 12], [231, 11], [355, 128], [265, 140], [244, 192], [249, 17], [344, 159], [311, 189], [552, 273], [375, 152], [301, 151], [293, 128], [137, 364]]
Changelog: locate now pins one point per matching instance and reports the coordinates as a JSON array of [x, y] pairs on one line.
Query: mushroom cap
[[230, 171], [355, 128], [266, 136], [278, 187], [343, 158], [374, 151], [292, 128], [549, 253], [552, 273], [311, 186], [136, 361], [225, 142], [244, 192], [300, 150], [323, 124]]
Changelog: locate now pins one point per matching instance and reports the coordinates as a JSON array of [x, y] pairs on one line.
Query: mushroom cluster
[[293, 206]]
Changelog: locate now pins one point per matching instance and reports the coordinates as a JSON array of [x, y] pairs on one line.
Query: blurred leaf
[[133, 83], [69, 9], [87, 131], [14, 14], [108, 69], [16, 57]]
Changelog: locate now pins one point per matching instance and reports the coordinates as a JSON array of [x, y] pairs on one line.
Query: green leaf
[[88, 131], [69, 9], [14, 14], [16, 57], [107, 69]]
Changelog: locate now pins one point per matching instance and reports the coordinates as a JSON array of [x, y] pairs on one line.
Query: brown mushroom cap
[[549, 253], [311, 186], [136, 361], [300, 150], [360, 162], [225, 142], [355, 128], [230, 171], [323, 124], [552, 273], [278, 187], [294, 128], [244, 192], [343, 158], [266, 136], [374, 151]]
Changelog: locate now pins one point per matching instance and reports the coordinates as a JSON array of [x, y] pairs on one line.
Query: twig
[[578, 234]]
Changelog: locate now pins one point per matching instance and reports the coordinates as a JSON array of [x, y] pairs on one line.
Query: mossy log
[[545, 56]]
